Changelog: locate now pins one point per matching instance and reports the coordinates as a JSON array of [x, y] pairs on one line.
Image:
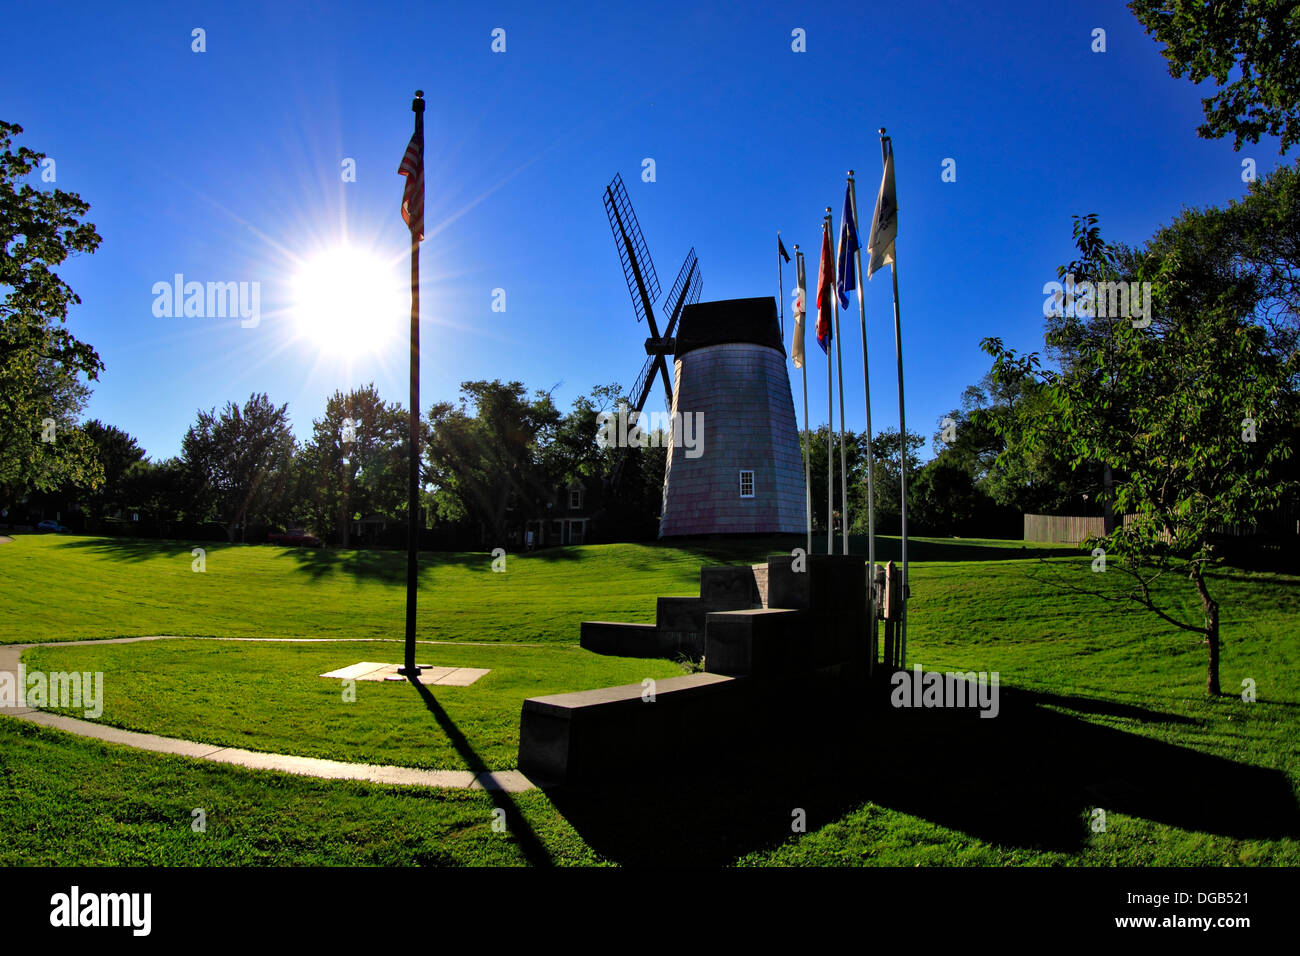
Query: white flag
[[884, 225], [800, 307]]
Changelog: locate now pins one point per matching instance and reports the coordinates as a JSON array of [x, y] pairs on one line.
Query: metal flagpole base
[[405, 672]]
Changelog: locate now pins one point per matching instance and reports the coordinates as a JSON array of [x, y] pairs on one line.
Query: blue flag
[[844, 276]]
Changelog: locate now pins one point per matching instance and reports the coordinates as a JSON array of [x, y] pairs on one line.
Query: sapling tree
[[1193, 414]]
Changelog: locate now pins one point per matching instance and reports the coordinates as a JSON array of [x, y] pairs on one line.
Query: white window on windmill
[[746, 483]]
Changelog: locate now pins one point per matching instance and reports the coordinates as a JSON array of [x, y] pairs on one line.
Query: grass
[[60, 588], [1105, 706], [268, 696], [116, 588], [68, 800]]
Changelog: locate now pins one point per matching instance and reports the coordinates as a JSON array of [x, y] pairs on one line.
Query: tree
[[157, 491], [238, 464], [355, 462], [1194, 414], [484, 456], [821, 445], [117, 453], [887, 453], [41, 394], [1260, 39]]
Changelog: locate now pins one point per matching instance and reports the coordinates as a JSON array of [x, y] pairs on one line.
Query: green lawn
[[59, 587], [67, 800], [268, 696], [1106, 706]]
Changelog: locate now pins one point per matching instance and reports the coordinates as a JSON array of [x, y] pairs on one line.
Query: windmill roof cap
[[729, 321]]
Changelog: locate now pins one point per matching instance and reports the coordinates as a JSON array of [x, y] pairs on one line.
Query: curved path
[[10, 654]]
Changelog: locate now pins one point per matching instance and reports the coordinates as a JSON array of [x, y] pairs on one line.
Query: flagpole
[[844, 465], [871, 468], [780, 283], [801, 282], [413, 477], [830, 411], [886, 151]]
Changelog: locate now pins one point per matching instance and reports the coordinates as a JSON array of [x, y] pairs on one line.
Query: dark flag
[[413, 195], [780, 248], [844, 279], [825, 289]]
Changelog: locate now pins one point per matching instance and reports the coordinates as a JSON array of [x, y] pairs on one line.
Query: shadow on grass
[[387, 567], [141, 549], [565, 553], [384, 565], [516, 824], [1028, 778]]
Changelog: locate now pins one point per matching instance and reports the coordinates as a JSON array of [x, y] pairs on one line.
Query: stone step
[[761, 642], [591, 735], [733, 585], [620, 640]]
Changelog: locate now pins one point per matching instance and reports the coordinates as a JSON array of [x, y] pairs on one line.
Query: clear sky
[[226, 165]]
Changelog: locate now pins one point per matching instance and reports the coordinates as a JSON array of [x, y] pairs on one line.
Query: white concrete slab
[[430, 675], [356, 671], [463, 676]]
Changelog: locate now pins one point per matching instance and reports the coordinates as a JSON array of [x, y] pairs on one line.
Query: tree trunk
[[1210, 607], [1108, 482]]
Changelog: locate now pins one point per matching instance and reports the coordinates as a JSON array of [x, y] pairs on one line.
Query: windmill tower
[[643, 286], [744, 473]]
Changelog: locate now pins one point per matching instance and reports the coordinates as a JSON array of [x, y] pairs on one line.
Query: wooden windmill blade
[[685, 290], [638, 394], [643, 286], [633, 254]]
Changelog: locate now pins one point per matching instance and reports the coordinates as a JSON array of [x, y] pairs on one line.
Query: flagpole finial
[[850, 174], [882, 131], [417, 104]]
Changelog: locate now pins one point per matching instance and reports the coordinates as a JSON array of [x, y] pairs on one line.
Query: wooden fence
[[1062, 529], [1072, 529]]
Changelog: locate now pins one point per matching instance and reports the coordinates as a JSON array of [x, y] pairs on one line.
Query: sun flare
[[347, 300]]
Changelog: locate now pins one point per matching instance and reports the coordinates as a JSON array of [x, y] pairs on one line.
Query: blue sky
[[225, 166]]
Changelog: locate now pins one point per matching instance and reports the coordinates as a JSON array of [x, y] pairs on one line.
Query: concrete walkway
[[511, 781]]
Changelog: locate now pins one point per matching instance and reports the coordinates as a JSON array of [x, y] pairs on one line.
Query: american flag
[[413, 195]]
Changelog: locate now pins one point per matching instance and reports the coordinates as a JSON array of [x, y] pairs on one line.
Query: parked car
[[295, 537], [48, 525]]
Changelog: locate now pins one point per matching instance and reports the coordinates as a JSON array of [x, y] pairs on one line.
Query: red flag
[[825, 290], [413, 195]]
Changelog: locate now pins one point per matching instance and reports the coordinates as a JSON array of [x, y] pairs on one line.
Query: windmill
[[643, 286]]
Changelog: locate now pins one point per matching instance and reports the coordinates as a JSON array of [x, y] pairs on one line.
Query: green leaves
[[1257, 39], [40, 362]]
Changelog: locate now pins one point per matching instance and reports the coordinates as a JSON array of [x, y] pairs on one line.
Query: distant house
[[567, 518], [370, 528]]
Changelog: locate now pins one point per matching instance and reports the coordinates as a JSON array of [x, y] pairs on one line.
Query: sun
[[348, 300]]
